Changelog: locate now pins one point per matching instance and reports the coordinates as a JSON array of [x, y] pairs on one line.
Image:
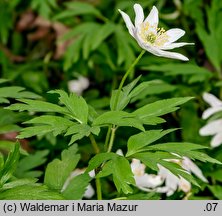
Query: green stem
[[98, 189], [98, 183], [125, 76], [94, 144], [108, 136], [113, 130]]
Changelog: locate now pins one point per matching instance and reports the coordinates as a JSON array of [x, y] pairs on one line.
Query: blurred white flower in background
[[214, 102], [151, 38], [172, 182], [213, 128], [143, 180], [89, 190], [191, 167], [79, 85]]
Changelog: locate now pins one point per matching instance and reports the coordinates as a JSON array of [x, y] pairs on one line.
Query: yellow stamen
[[147, 35]]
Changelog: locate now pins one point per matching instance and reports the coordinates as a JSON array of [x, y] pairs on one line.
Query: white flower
[[191, 167], [144, 181], [214, 102], [79, 85], [152, 38], [151, 182], [119, 152], [214, 127], [172, 182], [89, 190]]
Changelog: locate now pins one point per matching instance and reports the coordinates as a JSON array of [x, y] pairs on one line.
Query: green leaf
[[144, 196], [124, 97], [77, 8], [99, 159], [72, 53], [15, 92], [1, 161], [6, 22], [160, 107], [79, 31], [88, 39], [216, 191], [153, 159], [119, 118], [184, 149], [76, 105], [9, 117], [116, 165], [178, 171], [153, 120], [26, 164], [124, 41], [137, 142], [3, 81], [176, 69], [19, 182], [150, 88], [9, 128], [121, 171], [77, 187], [46, 124], [177, 146], [58, 171], [37, 106], [216, 175], [78, 131], [211, 34], [44, 8], [30, 192], [35, 130], [9, 165], [7, 145], [104, 32]]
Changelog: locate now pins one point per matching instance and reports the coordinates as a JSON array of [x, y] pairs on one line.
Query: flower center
[[152, 35], [151, 38]]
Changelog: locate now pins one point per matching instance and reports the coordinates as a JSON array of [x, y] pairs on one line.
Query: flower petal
[[184, 185], [211, 128], [158, 52], [119, 152], [210, 111], [174, 45], [192, 167], [166, 190], [216, 141], [174, 34], [89, 192], [139, 15], [128, 22], [211, 99], [148, 181], [137, 167], [153, 18], [166, 54]]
